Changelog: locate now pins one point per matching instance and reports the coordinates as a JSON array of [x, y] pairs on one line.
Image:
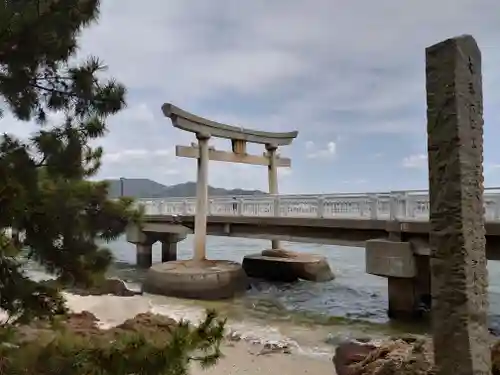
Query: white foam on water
[[249, 331], [3, 316]]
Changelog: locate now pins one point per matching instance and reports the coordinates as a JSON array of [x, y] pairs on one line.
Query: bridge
[[358, 220], [393, 227]]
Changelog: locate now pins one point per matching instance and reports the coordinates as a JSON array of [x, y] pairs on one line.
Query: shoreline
[[246, 358], [256, 319], [238, 356], [113, 310]]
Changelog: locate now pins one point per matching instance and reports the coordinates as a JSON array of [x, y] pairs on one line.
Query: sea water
[[308, 317]]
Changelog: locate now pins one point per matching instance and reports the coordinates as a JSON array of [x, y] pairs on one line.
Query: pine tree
[[45, 192]]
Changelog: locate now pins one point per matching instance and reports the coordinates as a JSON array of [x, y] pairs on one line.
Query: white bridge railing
[[401, 205]]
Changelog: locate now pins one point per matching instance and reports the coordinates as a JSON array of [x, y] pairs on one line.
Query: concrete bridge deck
[[331, 231]]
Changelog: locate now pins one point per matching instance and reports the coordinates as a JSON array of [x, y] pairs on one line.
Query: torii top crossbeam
[[195, 124]]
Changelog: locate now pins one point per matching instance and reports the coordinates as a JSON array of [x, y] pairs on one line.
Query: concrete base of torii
[[204, 280], [287, 266]]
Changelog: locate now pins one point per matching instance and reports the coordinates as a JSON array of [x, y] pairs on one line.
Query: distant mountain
[[145, 188]]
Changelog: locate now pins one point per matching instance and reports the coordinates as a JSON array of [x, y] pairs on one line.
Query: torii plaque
[[204, 130]]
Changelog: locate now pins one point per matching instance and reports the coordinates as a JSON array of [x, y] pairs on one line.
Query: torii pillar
[[272, 171], [200, 225]]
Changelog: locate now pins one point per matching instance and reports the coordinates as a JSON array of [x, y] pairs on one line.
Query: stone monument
[[457, 235], [199, 277]]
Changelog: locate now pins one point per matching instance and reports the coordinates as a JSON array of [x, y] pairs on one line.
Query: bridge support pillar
[[144, 255], [402, 299], [408, 277], [168, 251], [169, 247], [143, 243]]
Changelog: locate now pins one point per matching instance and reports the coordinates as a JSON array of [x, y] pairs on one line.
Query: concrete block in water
[[390, 259], [204, 280], [287, 266]]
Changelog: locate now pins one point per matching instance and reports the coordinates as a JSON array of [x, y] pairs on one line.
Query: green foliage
[[135, 352], [44, 191], [56, 212]]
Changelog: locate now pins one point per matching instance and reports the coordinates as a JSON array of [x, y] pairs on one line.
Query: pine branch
[[44, 192]]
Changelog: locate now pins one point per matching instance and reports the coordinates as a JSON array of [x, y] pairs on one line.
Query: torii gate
[[204, 129]]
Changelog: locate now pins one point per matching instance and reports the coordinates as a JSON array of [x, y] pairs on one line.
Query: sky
[[349, 75]]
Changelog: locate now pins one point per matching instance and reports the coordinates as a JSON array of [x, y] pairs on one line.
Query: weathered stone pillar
[[144, 255], [457, 235], [272, 171], [200, 226]]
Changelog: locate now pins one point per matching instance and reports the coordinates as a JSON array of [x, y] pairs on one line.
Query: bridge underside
[[340, 232]]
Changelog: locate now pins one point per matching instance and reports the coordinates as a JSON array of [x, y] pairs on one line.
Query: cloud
[[349, 78], [360, 181], [314, 51], [329, 69], [315, 152], [491, 168], [418, 161], [126, 156]]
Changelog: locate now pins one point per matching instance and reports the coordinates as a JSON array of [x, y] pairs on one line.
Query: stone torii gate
[[199, 277], [204, 130]]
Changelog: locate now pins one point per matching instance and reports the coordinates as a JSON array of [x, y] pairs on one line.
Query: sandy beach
[[240, 357], [244, 358]]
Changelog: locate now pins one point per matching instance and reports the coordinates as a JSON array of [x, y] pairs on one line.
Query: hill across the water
[[145, 188]]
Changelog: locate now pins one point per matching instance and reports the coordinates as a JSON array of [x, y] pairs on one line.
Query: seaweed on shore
[[398, 357]]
